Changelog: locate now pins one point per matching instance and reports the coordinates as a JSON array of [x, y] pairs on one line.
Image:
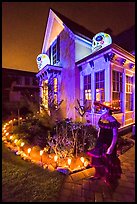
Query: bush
[[69, 138], [65, 138], [33, 132]]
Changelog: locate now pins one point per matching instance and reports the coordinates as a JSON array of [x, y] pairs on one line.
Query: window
[[34, 82], [50, 92], [87, 89], [55, 51], [99, 86], [45, 94], [117, 90], [129, 93], [18, 80], [27, 81], [55, 90]]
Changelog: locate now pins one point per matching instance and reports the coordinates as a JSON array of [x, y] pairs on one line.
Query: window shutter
[[58, 48]]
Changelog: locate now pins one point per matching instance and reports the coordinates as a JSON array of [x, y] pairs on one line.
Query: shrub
[[69, 138], [65, 138]]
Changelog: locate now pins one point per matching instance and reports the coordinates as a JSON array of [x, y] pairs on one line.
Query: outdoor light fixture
[[82, 159], [55, 159], [11, 137], [15, 141], [41, 152], [85, 163], [69, 162], [4, 127], [22, 144], [29, 150]]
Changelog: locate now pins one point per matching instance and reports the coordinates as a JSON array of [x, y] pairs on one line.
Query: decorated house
[[84, 67]]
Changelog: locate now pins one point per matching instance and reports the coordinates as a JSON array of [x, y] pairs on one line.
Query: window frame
[[55, 51], [117, 90], [100, 85], [129, 93], [87, 90]]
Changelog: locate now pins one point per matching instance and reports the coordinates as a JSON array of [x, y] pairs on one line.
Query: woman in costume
[[104, 155]]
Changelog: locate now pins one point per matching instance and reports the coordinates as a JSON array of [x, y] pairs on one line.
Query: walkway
[[79, 187]]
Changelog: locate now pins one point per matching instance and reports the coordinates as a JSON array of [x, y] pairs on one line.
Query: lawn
[[23, 181]]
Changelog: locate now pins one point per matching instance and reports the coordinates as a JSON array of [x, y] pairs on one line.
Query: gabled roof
[[126, 39], [74, 27], [12, 71]]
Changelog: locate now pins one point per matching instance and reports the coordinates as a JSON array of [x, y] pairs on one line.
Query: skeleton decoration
[[42, 61], [100, 40]]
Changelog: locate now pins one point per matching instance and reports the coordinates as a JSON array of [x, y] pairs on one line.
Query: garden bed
[[56, 160]]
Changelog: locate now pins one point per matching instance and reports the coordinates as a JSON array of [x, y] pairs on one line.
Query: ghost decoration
[[42, 61], [100, 40]]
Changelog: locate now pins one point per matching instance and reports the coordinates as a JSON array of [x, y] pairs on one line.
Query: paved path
[[78, 187]]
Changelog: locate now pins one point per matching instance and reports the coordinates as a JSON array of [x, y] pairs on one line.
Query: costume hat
[[103, 105]]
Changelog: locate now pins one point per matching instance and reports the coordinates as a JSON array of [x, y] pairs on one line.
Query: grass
[[23, 181]]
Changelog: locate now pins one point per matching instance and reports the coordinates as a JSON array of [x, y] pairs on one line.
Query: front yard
[[23, 181]]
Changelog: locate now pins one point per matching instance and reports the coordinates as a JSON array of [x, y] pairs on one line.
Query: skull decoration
[[42, 61], [100, 40]]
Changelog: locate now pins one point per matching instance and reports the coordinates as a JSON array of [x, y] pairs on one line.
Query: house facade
[[83, 66], [16, 86]]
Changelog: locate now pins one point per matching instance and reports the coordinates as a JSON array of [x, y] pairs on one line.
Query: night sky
[[24, 24]]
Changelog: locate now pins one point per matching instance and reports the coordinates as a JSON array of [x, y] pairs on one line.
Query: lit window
[[88, 94], [87, 89], [117, 90], [129, 93], [55, 90], [99, 86], [45, 93]]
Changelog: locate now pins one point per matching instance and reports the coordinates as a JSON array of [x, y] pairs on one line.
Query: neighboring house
[[18, 85], [85, 66]]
